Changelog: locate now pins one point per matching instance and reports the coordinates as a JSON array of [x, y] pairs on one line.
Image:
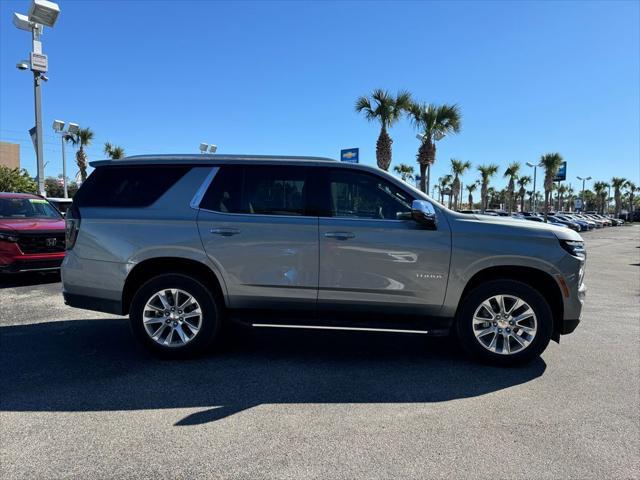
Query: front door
[[373, 258], [254, 226]]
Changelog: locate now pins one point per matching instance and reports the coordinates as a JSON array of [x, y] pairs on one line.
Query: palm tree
[[387, 109], [632, 189], [405, 171], [458, 167], [512, 174], [443, 183], [618, 183], [433, 122], [562, 189], [486, 172], [471, 188], [551, 162], [522, 183], [114, 152], [600, 189], [83, 138]]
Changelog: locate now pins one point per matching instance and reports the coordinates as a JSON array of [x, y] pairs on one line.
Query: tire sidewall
[[210, 314], [544, 318]]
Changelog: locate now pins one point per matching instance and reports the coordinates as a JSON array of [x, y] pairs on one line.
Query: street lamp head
[[23, 65], [58, 126], [438, 136], [529, 164], [419, 136], [588, 178], [73, 128], [44, 12], [213, 148], [22, 22]]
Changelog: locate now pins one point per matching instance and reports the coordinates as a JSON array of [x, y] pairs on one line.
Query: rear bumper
[[92, 303]]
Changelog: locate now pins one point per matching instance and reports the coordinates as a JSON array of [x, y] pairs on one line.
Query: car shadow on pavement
[[95, 365], [11, 280]]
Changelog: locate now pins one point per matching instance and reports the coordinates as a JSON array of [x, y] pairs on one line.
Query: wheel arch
[[542, 281], [153, 267]]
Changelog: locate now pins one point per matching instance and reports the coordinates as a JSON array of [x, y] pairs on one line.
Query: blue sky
[[282, 78]]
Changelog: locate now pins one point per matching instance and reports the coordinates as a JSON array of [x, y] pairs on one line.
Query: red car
[[32, 234]]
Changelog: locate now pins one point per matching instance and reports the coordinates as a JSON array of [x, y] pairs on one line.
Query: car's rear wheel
[[504, 322], [174, 316]]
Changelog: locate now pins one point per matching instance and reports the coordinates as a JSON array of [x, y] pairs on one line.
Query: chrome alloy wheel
[[504, 324], [172, 317]]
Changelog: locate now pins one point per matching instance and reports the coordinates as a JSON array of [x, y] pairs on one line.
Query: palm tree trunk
[[423, 172], [383, 149], [483, 197], [547, 194]]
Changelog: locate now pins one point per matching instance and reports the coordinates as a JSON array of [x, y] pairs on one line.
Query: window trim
[[197, 198]]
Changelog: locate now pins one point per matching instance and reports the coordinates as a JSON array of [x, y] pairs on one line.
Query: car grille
[[52, 242]]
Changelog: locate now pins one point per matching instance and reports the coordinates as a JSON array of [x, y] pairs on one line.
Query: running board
[[323, 327]]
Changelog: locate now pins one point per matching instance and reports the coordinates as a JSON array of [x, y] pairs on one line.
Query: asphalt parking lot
[[80, 400]]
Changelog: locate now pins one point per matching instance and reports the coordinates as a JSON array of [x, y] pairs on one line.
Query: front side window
[[27, 208], [361, 195], [261, 190]]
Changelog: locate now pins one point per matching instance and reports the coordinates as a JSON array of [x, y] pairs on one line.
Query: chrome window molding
[[197, 198]]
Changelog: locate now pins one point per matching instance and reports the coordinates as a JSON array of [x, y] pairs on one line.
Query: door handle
[[339, 235], [225, 232]]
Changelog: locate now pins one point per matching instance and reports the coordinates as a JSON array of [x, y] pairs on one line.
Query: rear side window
[[131, 186], [268, 190]]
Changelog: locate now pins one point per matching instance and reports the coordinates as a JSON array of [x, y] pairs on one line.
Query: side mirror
[[423, 213]]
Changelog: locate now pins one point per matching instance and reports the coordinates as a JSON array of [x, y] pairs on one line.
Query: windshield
[[27, 208]]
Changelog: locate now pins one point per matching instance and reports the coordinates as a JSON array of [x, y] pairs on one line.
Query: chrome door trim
[[324, 327], [197, 198]]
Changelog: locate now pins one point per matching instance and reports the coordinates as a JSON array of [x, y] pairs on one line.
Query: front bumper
[[12, 259]]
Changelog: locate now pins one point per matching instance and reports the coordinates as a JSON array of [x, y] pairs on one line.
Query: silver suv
[[184, 244]]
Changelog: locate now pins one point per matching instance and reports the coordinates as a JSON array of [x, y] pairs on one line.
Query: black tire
[[211, 315], [471, 302]]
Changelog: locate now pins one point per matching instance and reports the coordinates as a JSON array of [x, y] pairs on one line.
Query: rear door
[[256, 226], [373, 257]]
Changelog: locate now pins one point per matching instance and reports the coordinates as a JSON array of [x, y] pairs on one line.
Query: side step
[[327, 327]]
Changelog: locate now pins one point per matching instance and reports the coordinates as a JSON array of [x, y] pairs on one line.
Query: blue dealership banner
[[350, 155], [561, 174]]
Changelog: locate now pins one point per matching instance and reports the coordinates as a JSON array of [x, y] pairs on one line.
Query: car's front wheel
[[504, 322], [174, 315]]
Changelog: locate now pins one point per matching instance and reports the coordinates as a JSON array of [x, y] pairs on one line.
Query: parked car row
[[579, 222]]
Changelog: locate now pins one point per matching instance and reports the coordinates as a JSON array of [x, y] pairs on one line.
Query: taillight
[[72, 226]]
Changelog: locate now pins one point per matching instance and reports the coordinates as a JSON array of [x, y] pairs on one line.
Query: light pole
[[211, 147], [583, 182], [72, 131], [535, 192], [41, 13]]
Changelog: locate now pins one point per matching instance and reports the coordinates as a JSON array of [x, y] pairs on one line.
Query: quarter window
[[130, 186], [360, 195]]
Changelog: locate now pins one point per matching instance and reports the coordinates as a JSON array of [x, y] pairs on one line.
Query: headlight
[[575, 248], [7, 237]]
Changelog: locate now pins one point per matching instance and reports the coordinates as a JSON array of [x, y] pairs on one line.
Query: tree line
[[19, 180], [433, 122]]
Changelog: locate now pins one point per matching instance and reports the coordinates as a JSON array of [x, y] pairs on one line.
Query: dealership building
[[10, 155]]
